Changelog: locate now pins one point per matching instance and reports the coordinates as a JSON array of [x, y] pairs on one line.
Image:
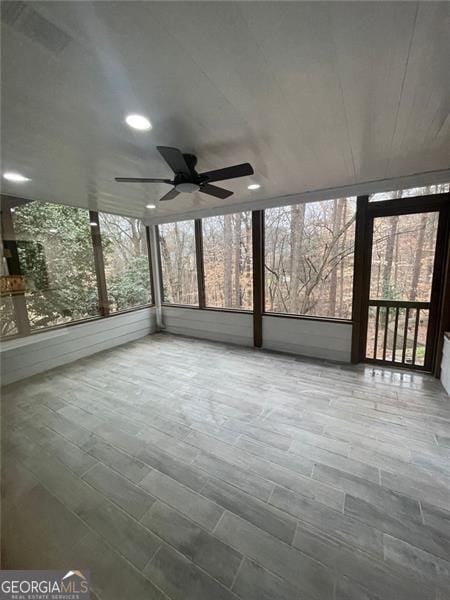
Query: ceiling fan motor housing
[[186, 184], [187, 187]]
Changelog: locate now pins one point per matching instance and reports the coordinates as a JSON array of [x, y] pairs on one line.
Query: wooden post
[[442, 284], [361, 280], [258, 275], [200, 263]]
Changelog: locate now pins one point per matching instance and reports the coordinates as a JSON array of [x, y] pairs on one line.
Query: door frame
[[439, 318]]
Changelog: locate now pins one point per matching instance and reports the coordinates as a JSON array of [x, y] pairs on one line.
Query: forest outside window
[[309, 252], [227, 259], [7, 309], [178, 263], [56, 260], [125, 256]]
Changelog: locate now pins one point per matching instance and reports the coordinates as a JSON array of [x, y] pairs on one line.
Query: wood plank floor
[[183, 469]]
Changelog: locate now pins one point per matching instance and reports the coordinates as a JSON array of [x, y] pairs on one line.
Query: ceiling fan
[[186, 177]]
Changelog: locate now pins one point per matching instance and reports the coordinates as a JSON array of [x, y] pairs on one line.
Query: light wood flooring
[[182, 469]]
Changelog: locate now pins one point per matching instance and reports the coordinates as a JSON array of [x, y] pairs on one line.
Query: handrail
[[399, 304]]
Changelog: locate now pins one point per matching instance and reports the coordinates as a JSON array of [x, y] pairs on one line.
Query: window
[[227, 257], [178, 262], [125, 255], [7, 316], [56, 259], [426, 190], [7, 312], [309, 258], [403, 252]]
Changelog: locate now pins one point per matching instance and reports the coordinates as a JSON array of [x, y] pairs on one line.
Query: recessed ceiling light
[[150, 206], [16, 177], [254, 186], [138, 122]]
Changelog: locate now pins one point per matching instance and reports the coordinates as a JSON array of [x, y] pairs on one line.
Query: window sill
[[308, 318], [170, 305], [237, 311]]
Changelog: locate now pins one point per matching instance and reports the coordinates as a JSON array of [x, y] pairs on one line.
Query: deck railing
[[397, 332]]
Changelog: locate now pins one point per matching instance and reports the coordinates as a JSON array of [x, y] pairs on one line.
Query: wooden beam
[[408, 205], [361, 274], [200, 263], [103, 304], [258, 275], [442, 284]]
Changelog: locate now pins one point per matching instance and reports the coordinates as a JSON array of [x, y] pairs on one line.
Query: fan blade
[[213, 190], [175, 159], [142, 180], [170, 195], [229, 172]]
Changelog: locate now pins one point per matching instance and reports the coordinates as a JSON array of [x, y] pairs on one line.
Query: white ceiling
[[314, 94]]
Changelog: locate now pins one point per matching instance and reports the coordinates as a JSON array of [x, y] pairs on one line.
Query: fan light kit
[[254, 186], [187, 187], [138, 122], [16, 177], [186, 177]]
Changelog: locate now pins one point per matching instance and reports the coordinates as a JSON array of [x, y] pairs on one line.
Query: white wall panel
[[319, 339], [236, 328], [37, 353]]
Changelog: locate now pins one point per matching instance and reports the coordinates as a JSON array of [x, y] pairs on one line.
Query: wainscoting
[[217, 326], [40, 352]]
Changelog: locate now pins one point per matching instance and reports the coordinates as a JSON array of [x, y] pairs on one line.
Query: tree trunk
[[344, 244], [418, 257], [135, 236], [337, 212], [168, 275], [237, 260], [247, 296], [227, 268], [390, 245], [296, 235]]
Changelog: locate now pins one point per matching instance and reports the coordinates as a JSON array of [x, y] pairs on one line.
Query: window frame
[[96, 234], [258, 254], [298, 316], [201, 290], [7, 223], [198, 247], [200, 264]]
